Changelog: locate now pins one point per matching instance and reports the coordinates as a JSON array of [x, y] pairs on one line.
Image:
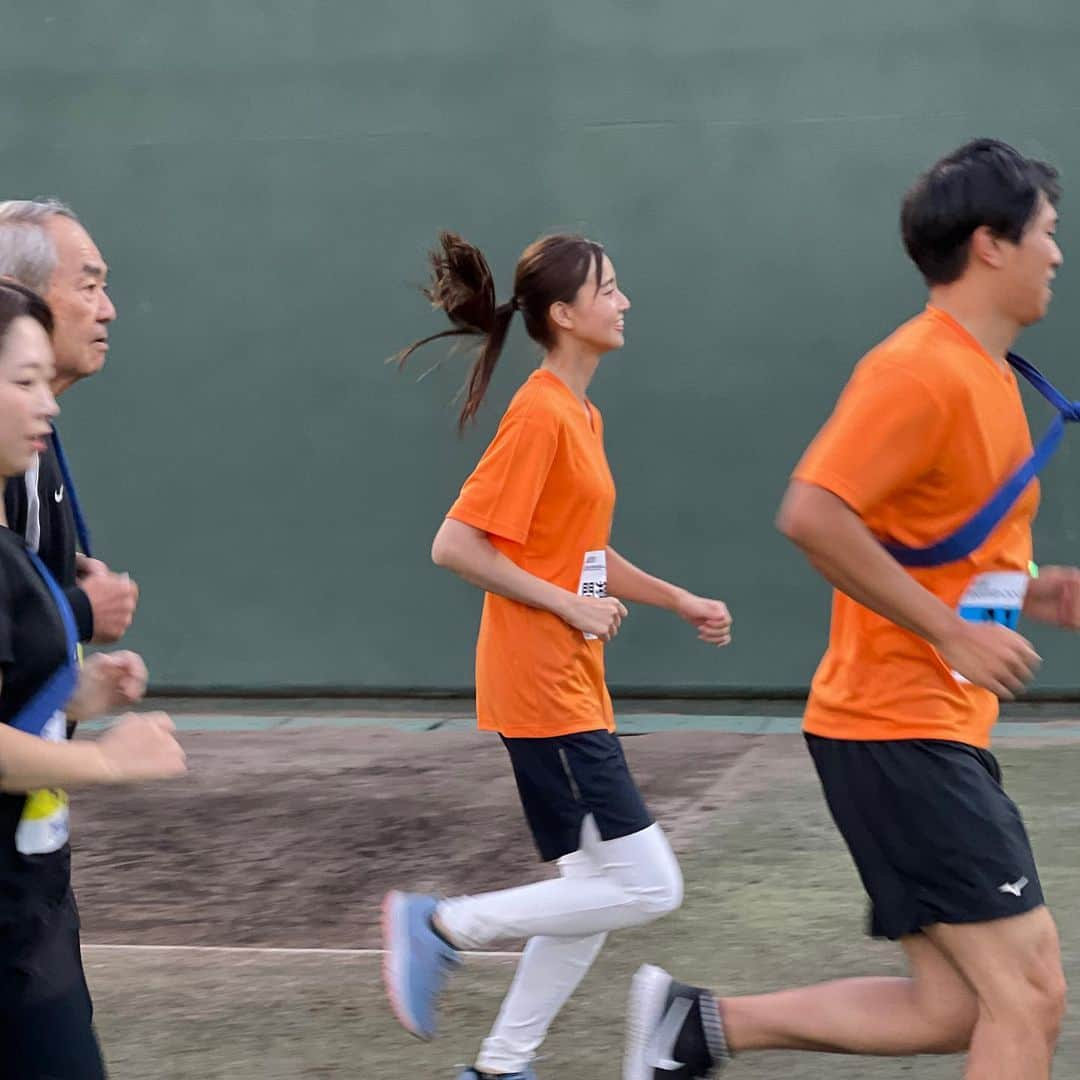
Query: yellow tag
[[44, 803], [45, 825]]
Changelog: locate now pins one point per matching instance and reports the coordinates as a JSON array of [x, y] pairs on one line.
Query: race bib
[[44, 825], [996, 597], [593, 580]]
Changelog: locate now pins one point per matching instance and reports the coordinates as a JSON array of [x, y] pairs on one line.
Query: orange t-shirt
[[543, 493], [923, 435]]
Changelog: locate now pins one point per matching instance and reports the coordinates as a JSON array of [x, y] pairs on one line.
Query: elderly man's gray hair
[[27, 251]]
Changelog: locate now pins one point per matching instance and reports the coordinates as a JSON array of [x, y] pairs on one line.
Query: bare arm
[[135, 748], [843, 550], [111, 597], [107, 682], [28, 762], [629, 582], [469, 554], [1054, 597]]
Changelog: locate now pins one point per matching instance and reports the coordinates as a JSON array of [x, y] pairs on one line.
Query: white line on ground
[[271, 951]]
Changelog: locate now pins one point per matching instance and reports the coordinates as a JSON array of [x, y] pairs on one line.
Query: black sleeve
[[84, 613], [15, 504], [7, 619]]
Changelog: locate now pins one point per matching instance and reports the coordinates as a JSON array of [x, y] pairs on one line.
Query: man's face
[[81, 306], [1030, 267]]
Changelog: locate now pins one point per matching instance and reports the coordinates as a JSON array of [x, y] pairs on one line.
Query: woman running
[[531, 528], [46, 1021]]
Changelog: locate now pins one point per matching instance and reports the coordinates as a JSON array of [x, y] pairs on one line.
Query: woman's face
[[595, 317], [26, 401]]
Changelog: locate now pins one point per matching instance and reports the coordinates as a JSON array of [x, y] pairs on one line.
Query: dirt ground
[[290, 838]]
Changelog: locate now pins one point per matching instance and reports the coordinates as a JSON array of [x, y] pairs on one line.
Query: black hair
[[17, 301], [983, 183]]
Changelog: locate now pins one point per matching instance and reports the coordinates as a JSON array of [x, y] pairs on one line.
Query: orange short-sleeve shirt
[[543, 493], [924, 433]]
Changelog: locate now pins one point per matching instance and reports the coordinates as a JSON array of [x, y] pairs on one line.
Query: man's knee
[[955, 1030], [1052, 995], [1014, 967], [950, 1024], [1044, 987], [1033, 999]]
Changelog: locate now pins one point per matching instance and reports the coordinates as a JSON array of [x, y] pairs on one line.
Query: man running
[[899, 717]]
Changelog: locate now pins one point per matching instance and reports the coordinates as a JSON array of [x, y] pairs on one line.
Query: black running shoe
[[673, 1031]]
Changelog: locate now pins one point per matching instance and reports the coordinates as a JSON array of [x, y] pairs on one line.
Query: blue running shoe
[[416, 962], [472, 1074]]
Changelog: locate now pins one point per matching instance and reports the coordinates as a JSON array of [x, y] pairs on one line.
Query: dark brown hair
[[17, 301], [551, 270]]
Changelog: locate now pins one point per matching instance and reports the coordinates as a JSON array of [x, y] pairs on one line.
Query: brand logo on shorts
[[1015, 887], [58, 495]]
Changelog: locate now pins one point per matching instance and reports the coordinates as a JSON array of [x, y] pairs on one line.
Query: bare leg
[[932, 1012], [1014, 966]]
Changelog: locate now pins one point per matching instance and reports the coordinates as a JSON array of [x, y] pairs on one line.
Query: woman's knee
[[645, 868], [659, 892], [666, 896]]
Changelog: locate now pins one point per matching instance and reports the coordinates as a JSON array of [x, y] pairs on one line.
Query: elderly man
[[44, 247]]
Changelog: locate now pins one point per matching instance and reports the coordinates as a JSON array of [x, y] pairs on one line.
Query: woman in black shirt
[[45, 1009]]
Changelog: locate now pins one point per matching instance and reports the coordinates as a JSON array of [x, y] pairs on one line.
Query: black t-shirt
[[34, 889], [57, 544]]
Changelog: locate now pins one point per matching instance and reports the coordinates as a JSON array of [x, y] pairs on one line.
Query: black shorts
[[934, 836], [563, 778]]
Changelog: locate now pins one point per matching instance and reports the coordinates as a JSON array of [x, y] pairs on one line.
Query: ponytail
[[551, 270], [462, 285]]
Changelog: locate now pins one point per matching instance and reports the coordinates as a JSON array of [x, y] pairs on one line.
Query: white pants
[[604, 885]]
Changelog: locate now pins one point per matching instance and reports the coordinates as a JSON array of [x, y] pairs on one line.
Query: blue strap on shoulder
[[54, 694], [81, 530], [974, 532]]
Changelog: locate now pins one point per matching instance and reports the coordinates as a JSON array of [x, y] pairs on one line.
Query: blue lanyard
[[974, 532], [54, 694], [81, 531]]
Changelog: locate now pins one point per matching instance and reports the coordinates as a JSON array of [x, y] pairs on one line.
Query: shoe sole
[[395, 931], [648, 999]]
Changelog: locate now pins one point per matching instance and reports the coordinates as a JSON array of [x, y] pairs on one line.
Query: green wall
[[265, 178]]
